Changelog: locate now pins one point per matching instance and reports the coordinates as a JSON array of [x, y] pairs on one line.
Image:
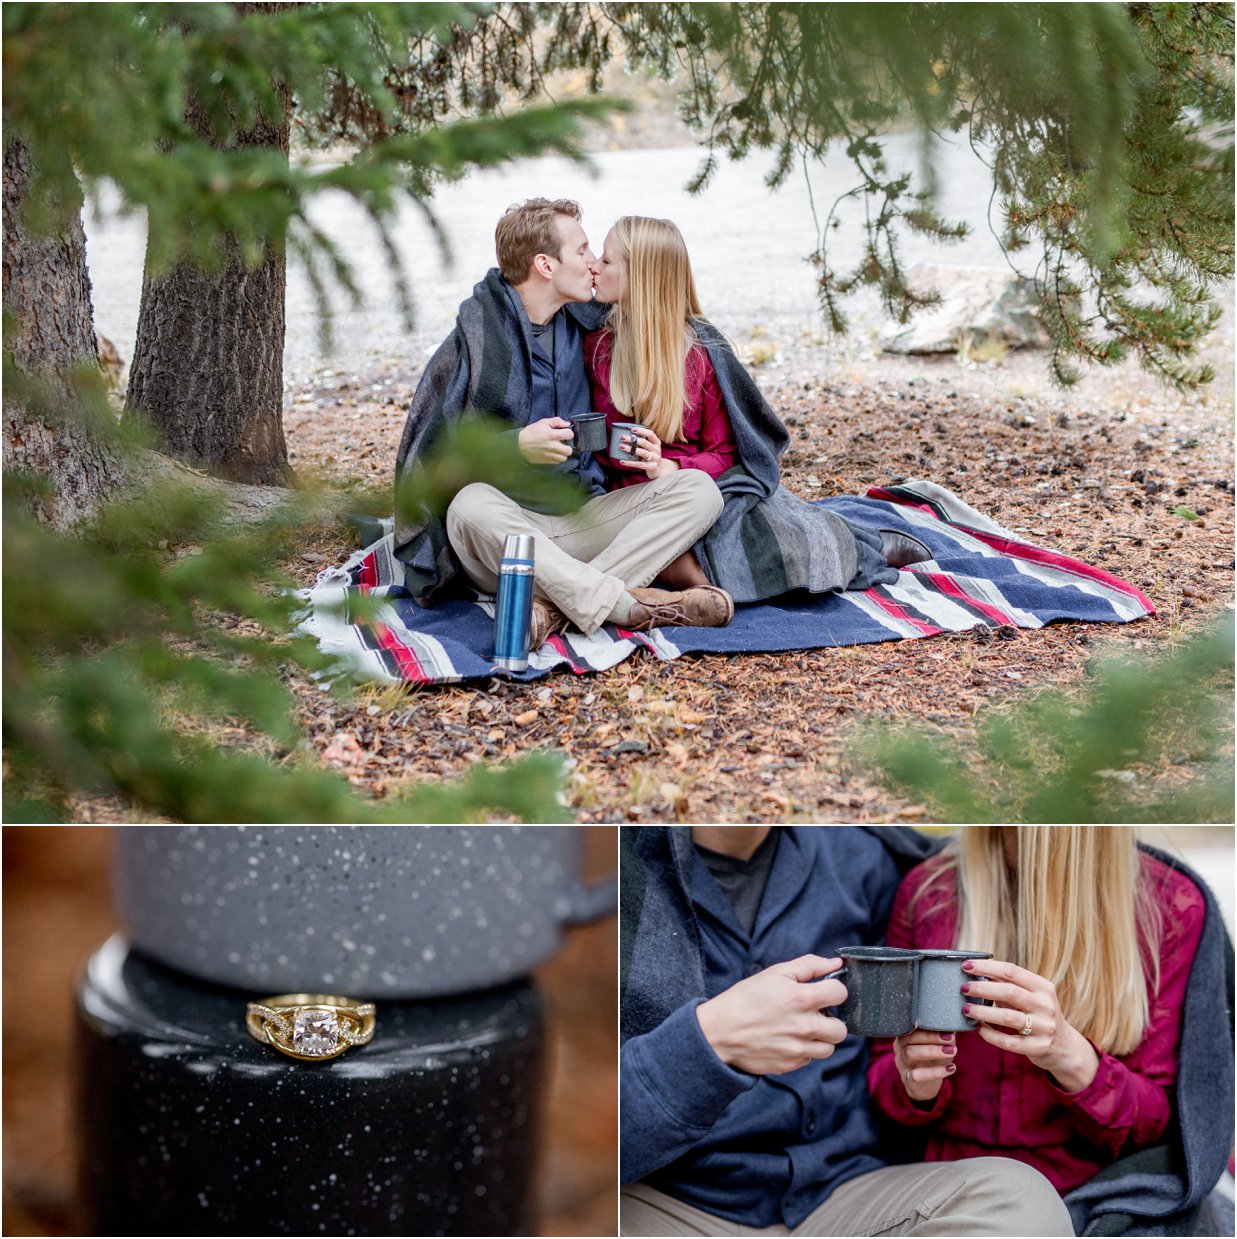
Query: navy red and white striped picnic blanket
[[981, 575]]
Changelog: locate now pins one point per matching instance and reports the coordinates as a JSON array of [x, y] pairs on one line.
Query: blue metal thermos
[[513, 612]]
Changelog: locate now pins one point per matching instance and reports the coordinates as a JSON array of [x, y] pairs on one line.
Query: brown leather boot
[[703, 606], [902, 549], [547, 619]]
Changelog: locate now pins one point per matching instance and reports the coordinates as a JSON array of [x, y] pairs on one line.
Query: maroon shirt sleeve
[[1127, 1106], [712, 450]]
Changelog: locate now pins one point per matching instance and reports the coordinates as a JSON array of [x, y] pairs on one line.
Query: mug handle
[[843, 971], [586, 904]]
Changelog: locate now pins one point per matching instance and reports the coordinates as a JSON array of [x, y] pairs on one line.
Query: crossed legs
[[586, 560]]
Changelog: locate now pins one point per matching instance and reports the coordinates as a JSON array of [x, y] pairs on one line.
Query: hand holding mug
[[546, 442], [1026, 1019], [924, 1059], [647, 448], [773, 1022]]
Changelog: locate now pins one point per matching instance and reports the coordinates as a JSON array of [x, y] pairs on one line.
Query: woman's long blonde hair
[[1077, 910], [649, 326]]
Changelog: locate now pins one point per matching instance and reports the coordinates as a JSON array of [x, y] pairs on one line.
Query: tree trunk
[[207, 369], [47, 291]]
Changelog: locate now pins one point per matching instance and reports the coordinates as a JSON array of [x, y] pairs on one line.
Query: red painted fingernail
[[949, 1049], [965, 987], [947, 1037], [969, 965], [951, 1069], [966, 1008]]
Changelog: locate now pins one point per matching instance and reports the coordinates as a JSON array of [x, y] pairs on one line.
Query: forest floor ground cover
[[1095, 472]]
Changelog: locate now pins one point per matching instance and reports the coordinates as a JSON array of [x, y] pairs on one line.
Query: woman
[[1075, 1062], [658, 363]]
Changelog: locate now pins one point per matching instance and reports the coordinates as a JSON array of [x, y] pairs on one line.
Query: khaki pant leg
[[974, 1196], [634, 532], [478, 521], [643, 1210], [586, 559]]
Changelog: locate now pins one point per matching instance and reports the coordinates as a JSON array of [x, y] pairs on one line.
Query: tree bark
[[207, 369], [47, 291]]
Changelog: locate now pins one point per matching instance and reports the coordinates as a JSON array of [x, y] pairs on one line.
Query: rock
[[976, 302], [111, 361]]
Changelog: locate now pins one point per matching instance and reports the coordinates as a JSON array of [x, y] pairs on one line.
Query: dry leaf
[[345, 750]]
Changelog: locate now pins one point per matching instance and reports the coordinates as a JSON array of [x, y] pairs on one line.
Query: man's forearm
[[673, 1089]]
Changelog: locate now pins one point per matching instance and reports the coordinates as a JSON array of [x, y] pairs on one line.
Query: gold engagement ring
[[1026, 1029], [311, 1027]]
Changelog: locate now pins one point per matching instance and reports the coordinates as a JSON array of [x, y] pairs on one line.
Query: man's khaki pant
[[585, 560], [975, 1196]]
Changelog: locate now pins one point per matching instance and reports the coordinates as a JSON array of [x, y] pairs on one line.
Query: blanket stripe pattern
[[981, 575]]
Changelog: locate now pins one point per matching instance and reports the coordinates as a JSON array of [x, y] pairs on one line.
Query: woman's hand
[[1026, 1001], [648, 451], [924, 1059]]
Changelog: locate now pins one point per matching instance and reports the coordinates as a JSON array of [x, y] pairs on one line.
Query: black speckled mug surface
[[187, 1126], [589, 432], [880, 990]]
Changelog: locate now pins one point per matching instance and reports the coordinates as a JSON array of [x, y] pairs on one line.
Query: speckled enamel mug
[[588, 432], [371, 911], [938, 992], [880, 990], [618, 432]]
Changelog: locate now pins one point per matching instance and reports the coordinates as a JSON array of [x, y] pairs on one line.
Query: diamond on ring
[[311, 1027], [316, 1032], [1025, 1030]]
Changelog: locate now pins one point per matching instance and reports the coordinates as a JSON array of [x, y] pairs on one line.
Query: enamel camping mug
[[383, 911]]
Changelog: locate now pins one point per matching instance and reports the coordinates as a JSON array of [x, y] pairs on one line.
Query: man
[[744, 1105], [517, 351]]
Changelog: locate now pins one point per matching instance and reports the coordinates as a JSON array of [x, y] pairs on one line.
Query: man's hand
[[547, 442], [771, 1022]]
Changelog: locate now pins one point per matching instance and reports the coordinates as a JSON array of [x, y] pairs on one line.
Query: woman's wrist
[[1076, 1066]]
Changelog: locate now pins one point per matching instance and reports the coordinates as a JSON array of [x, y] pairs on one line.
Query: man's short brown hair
[[527, 230]]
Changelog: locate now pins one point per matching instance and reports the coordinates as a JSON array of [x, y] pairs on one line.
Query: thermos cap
[[518, 546]]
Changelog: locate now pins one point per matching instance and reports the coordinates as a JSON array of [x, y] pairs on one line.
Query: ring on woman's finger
[[1027, 1028], [907, 1077]]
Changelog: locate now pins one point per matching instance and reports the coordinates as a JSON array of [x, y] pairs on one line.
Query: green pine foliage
[[131, 645], [100, 92], [1068, 757], [128, 646], [1109, 130]]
